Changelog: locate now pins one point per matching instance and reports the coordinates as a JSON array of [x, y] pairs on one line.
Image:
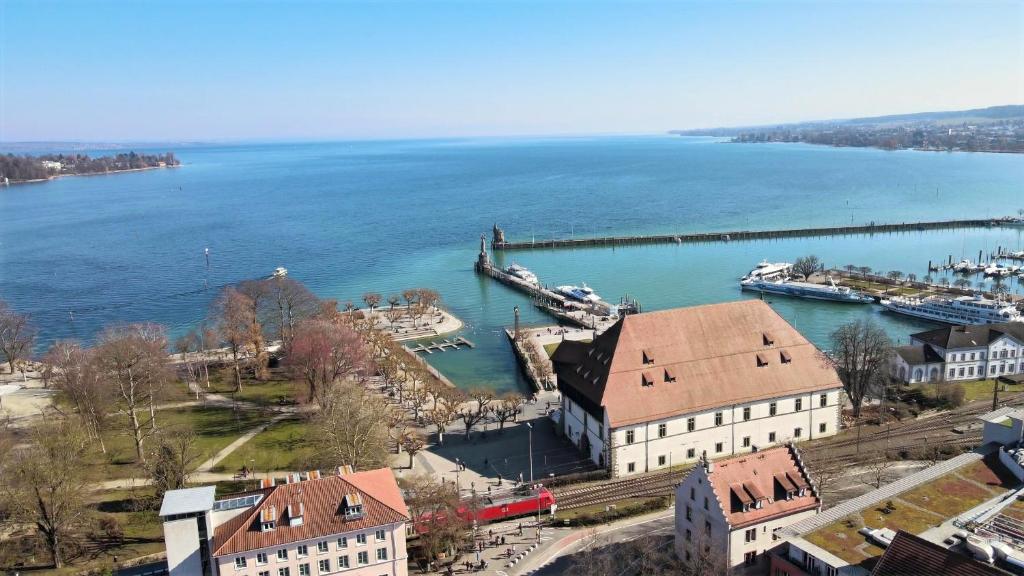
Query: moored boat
[[766, 270], [522, 273], [959, 310], [786, 287]]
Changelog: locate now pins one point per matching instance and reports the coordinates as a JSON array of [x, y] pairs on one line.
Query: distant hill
[[974, 116]]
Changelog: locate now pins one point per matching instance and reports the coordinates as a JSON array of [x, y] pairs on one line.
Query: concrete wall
[[182, 541]]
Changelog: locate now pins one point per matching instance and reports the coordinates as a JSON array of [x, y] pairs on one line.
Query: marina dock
[[443, 345], [500, 243]]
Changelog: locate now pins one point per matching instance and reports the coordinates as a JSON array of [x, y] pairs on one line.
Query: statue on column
[[499, 235], [483, 260]]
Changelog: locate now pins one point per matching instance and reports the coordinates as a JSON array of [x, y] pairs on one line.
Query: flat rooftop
[[187, 501], [915, 509]]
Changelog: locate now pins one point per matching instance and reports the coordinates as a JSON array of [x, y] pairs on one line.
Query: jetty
[[500, 243], [593, 315], [443, 345]]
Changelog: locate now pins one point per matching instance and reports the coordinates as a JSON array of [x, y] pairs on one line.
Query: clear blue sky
[[139, 70]]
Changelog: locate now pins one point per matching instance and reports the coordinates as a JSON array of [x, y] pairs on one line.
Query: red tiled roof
[[321, 501], [717, 354], [759, 476]]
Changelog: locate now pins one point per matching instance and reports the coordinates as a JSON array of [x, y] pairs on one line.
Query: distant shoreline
[[106, 173]]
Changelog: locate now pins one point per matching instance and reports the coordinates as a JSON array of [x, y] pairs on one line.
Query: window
[[662, 430], [689, 535], [631, 467], [304, 570], [691, 452], [705, 502], [360, 539], [746, 413], [301, 551], [822, 427], [630, 436], [283, 572], [282, 555], [382, 554], [718, 447], [823, 400], [689, 513], [342, 543], [797, 432], [691, 424], [746, 441], [798, 404], [773, 408], [972, 355], [321, 547], [261, 558], [324, 566], [661, 460], [952, 372], [749, 558], [707, 527], [264, 573], [379, 535], [693, 493], [240, 563], [342, 562], [750, 535], [771, 437], [718, 418], [363, 558]]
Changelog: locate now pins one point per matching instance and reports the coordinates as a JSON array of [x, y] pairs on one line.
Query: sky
[[82, 70]]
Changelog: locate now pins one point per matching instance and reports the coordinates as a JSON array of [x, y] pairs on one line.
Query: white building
[[661, 388], [960, 353], [349, 523], [733, 507]]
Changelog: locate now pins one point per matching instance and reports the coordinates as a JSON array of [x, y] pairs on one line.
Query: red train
[[523, 501]]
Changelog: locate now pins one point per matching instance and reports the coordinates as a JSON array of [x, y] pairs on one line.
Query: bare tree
[[413, 442], [323, 352], [258, 293], [47, 484], [75, 374], [879, 471], [174, 457], [806, 265], [292, 303], [445, 410], [434, 508], [861, 352], [351, 428], [477, 408], [132, 360], [231, 316], [508, 407], [17, 335], [393, 313], [372, 300]]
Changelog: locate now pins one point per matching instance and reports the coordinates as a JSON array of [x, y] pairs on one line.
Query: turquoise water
[[350, 217]]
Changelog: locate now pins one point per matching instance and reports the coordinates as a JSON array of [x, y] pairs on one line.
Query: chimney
[[267, 483]]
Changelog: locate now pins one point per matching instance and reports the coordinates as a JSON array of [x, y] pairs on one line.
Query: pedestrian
[[490, 532], [499, 479], [520, 477], [502, 540]]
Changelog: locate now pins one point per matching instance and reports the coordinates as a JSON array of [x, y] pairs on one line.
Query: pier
[[443, 345], [500, 243]]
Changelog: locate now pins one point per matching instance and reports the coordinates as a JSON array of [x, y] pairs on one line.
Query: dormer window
[[670, 375], [647, 379], [767, 338], [296, 511], [762, 360], [352, 506], [268, 518], [648, 357], [785, 357]]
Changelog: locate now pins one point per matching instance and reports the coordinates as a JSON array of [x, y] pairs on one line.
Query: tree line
[[21, 168]]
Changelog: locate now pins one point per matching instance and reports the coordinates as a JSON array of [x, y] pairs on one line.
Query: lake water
[[350, 217]]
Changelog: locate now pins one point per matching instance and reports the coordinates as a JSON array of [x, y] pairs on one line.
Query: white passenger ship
[[960, 310]]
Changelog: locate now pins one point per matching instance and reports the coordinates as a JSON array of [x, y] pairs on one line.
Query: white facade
[[700, 521], [1003, 356], [733, 429]]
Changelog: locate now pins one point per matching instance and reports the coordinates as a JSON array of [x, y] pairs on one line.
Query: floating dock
[[499, 242], [443, 345]]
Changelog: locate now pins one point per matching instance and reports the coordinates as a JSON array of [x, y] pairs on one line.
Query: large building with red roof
[[662, 388], [350, 523], [729, 510]]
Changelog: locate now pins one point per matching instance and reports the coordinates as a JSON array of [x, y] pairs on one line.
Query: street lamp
[[458, 488]]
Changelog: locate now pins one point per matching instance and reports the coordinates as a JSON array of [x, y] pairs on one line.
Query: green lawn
[[973, 390], [215, 428], [277, 391], [282, 446], [550, 348]]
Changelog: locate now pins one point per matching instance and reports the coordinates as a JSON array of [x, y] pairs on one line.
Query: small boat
[[786, 287], [980, 548], [766, 270], [280, 272], [522, 273], [1001, 270]]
